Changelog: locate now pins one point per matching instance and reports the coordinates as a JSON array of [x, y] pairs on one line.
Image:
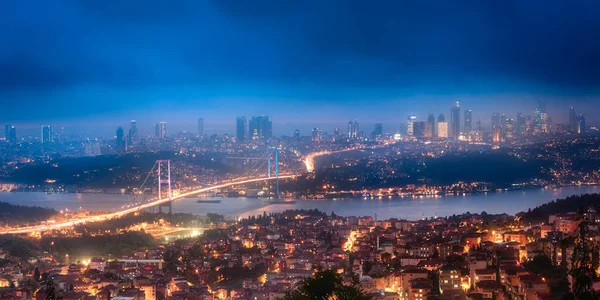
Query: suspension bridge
[[164, 198]]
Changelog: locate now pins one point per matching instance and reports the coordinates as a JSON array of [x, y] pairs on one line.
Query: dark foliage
[[10, 213], [573, 203], [104, 245]]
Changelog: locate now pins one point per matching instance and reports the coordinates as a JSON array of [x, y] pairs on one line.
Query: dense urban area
[[545, 253]]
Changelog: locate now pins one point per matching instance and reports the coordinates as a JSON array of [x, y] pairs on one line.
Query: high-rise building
[[350, 129], [520, 125], [441, 118], [336, 133], [402, 129], [428, 131], [431, 121], [317, 134], [581, 124], [120, 141], [133, 133], [419, 129], [201, 127], [10, 133], [297, 135], [468, 121], [509, 129], [442, 129], [378, 131], [356, 133], [46, 133], [92, 148], [528, 125], [496, 134], [410, 125], [455, 121], [537, 121], [160, 130], [573, 120], [496, 120], [241, 129], [260, 127]]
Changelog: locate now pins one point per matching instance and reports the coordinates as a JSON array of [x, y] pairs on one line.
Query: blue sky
[[305, 63]]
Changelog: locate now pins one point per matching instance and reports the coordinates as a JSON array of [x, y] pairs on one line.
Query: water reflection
[[407, 207]]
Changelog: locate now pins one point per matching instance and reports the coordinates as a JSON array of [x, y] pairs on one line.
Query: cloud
[[307, 47]]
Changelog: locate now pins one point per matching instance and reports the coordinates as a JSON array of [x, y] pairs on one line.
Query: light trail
[[104, 217], [309, 160]]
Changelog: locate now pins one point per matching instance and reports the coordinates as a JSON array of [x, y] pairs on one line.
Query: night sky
[[98, 64]]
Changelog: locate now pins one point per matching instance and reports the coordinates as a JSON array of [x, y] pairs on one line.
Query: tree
[[50, 292], [36, 274], [350, 293], [584, 266], [325, 285], [538, 264]]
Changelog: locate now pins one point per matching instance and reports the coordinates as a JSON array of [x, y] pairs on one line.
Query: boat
[[208, 201], [281, 202]]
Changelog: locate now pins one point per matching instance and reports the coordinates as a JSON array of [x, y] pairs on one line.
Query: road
[[141, 206], [309, 160]]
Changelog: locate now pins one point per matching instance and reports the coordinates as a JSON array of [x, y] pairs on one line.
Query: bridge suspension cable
[[144, 183]]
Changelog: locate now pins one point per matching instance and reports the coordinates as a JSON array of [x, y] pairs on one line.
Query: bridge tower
[[160, 164], [270, 151]]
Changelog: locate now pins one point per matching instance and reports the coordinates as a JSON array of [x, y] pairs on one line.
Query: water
[[510, 202]]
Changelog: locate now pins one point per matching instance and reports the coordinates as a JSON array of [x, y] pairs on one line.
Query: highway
[[141, 206], [309, 160]]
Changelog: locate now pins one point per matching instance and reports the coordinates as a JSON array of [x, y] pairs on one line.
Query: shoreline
[[412, 208], [359, 195]]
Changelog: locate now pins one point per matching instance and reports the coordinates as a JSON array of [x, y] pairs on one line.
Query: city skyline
[[485, 123], [282, 128]]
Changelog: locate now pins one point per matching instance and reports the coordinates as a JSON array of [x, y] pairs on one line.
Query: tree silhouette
[[36, 274], [325, 285], [584, 263]]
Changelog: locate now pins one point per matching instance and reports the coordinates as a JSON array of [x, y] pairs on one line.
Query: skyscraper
[[160, 130], [297, 135], [495, 120], [356, 132], [241, 129], [378, 131], [120, 141], [10, 133], [46, 133], [573, 120], [581, 124], [520, 125], [455, 121], [133, 133], [509, 129], [441, 118], [468, 121], [442, 129], [260, 127], [428, 130], [317, 134], [200, 127], [419, 129], [410, 124], [350, 129], [431, 121]]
